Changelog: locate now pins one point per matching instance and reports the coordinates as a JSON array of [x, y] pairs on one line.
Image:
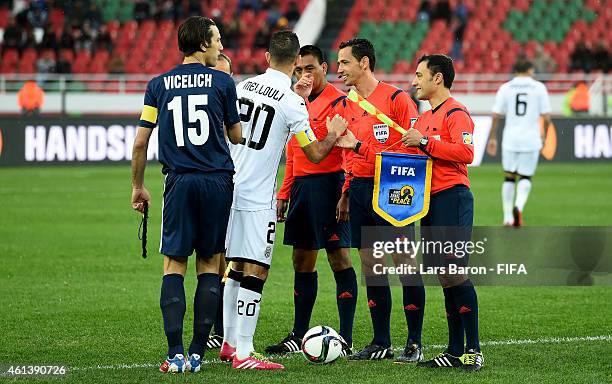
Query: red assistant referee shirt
[[450, 129], [374, 134], [328, 103]]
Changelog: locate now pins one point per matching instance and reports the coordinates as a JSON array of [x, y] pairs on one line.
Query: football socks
[[172, 304], [413, 293], [219, 318], [346, 299], [455, 326], [249, 299], [508, 199], [304, 295], [230, 294], [466, 303], [522, 192], [205, 308], [379, 302]]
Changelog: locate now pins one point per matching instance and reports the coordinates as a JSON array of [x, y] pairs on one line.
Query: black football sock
[[413, 294], [346, 299], [172, 304], [466, 303], [205, 308], [304, 295], [379, 302], [455, 326], [219, 318]]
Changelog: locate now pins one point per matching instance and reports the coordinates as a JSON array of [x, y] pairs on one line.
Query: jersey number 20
[[194, 115], [246, 117]]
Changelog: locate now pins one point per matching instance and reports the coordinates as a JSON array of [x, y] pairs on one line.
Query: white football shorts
[[250, 236], [522, 163]]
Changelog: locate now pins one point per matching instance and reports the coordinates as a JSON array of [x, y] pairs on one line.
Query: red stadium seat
[[10, 56], [4, 16]]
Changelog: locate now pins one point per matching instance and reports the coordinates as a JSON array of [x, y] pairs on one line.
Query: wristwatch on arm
[[423, 142]]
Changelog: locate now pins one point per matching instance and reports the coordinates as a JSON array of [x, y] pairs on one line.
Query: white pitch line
[[546, 340]]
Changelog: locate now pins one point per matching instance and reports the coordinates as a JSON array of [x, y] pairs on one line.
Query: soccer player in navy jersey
[[224, 64], [190, 105]]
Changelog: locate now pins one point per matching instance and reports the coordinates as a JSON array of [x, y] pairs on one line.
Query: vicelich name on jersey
[[196, 80]]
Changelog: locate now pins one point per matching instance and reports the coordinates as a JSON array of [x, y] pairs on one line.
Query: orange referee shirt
[[450, 129], [375, 135], [328, 103]]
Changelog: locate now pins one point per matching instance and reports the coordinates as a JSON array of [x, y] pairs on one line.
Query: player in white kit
[[522, 101], [270, 113]]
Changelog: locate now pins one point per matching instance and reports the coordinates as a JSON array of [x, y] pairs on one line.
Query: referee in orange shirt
[[365, 137], [445, 134], [318, 213]]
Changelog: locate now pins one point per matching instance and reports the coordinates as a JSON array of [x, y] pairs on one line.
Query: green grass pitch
[[75, 291]]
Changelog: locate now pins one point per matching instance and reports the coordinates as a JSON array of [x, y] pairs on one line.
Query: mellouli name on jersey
[[263, 90]]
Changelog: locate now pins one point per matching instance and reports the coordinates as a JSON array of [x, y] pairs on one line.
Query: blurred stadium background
[[73, 287]]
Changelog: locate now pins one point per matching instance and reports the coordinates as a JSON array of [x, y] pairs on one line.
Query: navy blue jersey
[[190, 104]]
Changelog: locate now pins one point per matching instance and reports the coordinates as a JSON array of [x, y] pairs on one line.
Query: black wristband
[[357, 146]]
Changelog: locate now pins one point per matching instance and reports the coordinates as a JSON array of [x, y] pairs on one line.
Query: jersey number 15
[[194, 115]]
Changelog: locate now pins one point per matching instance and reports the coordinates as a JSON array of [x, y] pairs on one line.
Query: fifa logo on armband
[[401, 196]]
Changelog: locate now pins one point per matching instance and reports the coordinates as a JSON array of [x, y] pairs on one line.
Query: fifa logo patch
[[467, 138], [401, 196], [381, 132]]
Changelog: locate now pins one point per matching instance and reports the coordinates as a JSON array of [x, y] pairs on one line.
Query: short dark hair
[[193, 32], [226, 58], [284, 47], [361, 48], [438, 63], [522, 66], [314, 51]]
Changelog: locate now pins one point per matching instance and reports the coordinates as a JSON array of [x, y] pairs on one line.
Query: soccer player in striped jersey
[[367, 136], [270, 112], [318, 212], [190, 104]]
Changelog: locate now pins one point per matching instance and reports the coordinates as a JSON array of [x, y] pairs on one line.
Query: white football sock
[[508, 200], [248, 313], [230, 294], [522, 193]]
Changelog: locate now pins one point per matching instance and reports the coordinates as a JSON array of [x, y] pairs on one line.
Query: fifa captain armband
[[305, 137], [402, 185]]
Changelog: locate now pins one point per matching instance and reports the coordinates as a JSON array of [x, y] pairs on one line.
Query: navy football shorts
[[362, 214], [450, 218], [195, 213], [311, 219]]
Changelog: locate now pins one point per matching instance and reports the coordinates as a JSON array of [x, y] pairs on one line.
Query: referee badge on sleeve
[[467, 138]]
